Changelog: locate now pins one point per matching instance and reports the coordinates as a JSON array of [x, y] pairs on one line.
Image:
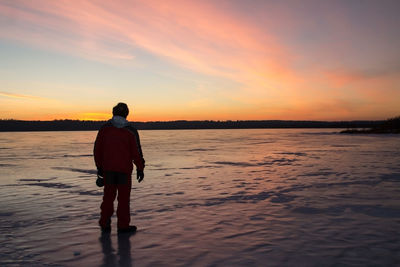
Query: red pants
[[107, 206]]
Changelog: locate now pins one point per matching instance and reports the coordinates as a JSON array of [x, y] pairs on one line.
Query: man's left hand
[[139, 175]]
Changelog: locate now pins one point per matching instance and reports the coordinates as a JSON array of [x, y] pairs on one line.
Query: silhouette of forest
[[390, 126], [77, 125]]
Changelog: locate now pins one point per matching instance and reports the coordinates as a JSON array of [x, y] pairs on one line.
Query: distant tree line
[[389, 126], [77, 125]]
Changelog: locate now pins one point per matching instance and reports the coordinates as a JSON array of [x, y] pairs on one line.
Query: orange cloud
[[342, 77], [20, 96], [93, 116]]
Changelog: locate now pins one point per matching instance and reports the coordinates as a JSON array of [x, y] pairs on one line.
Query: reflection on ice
[[92, 171], [119, 257]]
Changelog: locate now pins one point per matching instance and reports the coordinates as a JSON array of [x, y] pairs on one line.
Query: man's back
[[115, 148]]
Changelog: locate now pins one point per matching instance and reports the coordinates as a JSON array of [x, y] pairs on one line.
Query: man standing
[[116, 146]]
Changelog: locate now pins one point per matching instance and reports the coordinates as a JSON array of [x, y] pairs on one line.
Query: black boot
[[107, 228], [131, 229]]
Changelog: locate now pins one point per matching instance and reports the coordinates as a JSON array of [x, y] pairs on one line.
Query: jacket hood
[[119, 122]]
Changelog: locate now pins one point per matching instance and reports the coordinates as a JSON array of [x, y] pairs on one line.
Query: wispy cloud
[[280, 63], [343, 76], [20, 96], [192, 34]]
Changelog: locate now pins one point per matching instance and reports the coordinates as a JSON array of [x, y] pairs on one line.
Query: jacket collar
[[119, 122]]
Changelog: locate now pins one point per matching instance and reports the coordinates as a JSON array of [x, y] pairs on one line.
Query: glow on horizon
[[200, 60]]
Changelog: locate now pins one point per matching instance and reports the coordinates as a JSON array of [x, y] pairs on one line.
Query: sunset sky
[[200, 60]]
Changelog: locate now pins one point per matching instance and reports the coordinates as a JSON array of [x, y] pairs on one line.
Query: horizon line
[[205, 120]]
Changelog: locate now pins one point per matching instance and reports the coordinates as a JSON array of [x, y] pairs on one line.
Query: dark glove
[[139, 175], [100, 180], [100, 172]]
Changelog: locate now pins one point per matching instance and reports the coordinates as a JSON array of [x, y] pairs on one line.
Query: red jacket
[[116, 148]]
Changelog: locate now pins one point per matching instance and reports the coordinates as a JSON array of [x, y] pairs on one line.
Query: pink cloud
[[196, 35]]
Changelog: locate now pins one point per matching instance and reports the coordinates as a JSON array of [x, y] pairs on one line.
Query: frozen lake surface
[[304, 197]]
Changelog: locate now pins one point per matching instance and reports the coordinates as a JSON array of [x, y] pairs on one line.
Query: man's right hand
[[139, 175], [100, 180], [100, 172]]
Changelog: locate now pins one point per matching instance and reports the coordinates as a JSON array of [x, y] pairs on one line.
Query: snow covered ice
[[279, 197]]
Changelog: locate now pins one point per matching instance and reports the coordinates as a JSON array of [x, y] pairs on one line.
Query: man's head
[[121, 109]]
